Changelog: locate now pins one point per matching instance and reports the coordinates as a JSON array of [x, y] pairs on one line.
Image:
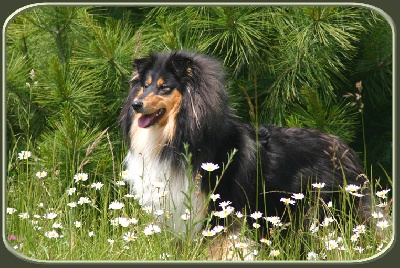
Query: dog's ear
[[142, 64], [181, 65]]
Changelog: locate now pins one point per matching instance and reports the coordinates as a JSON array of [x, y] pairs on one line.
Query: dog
[[177, 117]]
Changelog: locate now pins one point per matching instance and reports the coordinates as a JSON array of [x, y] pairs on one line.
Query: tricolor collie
[[179, 99]]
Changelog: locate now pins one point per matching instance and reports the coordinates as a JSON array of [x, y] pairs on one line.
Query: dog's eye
[[145, 87], [164, 89]]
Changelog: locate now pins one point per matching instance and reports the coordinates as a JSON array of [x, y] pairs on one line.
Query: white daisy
[[256, 215], [81, 177], [52, 234], [129, 236], [41, 174], [115, 205], [209, 166], [382, 194], [23, 155], [352, 188], [96, 185], [318, 185], [298, 196], [11, 210]]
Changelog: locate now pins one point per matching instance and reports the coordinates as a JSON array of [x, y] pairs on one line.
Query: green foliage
[[237, 35], [104, 55], [19, 99], [313, 111], [67, 92], [313, 47], [374, 68]]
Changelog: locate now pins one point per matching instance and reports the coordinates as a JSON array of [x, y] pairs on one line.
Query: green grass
[[29, 198]]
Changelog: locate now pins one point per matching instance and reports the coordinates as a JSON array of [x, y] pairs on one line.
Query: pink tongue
[[146, 120]]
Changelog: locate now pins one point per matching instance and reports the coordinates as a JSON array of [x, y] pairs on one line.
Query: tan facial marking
[[149, 80], [160, 82], [172, 104]]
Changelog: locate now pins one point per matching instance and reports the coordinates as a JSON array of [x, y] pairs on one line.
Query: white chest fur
[[158, 187]]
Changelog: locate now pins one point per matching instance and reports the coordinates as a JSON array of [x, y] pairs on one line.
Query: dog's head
[[175, 91], [160, 86]]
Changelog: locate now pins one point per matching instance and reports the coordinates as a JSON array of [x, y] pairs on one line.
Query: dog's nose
[[137, 105]]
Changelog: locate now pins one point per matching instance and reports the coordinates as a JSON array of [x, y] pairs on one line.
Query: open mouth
[[147, 120]]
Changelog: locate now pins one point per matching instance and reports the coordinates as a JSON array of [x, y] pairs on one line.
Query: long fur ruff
[[180, 98]]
